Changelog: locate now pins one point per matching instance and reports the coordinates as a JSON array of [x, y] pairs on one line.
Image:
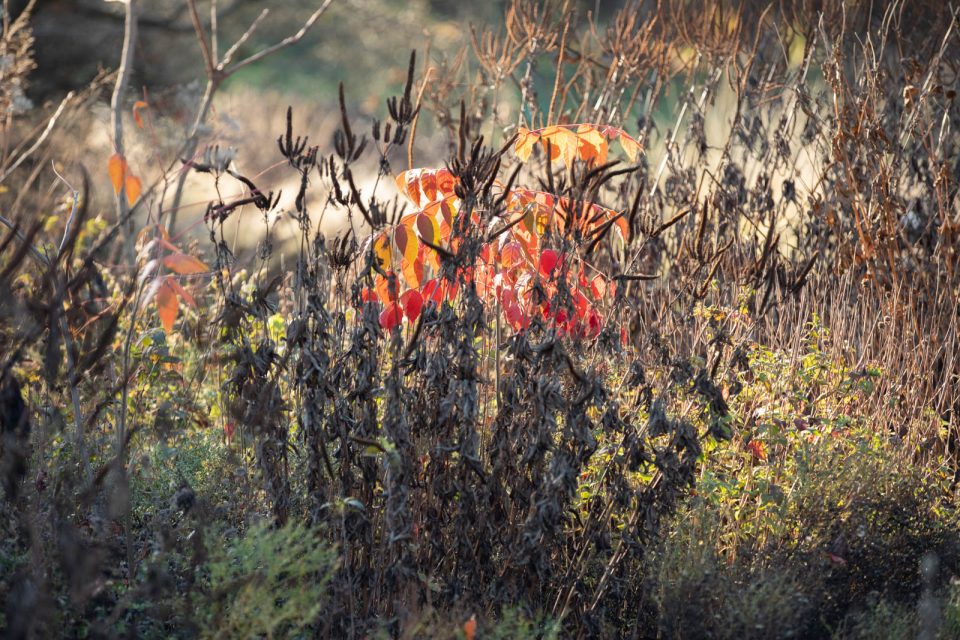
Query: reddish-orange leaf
[[424, 186], [184, 264], [548, 262], [117, 170], [511, 255], [167, 304], [757, 449], [592, 144], [132, 187], [182, 293], [470, 628], [385, 291], [391, 316], [412, 303], [138, 106]]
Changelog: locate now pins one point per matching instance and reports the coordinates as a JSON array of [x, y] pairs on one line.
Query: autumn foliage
[[517, 270]]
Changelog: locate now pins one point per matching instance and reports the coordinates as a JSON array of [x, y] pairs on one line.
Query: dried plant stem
[[51, 123], [116, 111]]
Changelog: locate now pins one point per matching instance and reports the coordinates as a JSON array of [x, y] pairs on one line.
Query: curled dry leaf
[[139, 106]]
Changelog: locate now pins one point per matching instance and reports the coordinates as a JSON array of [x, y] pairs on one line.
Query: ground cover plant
[[634, 321]]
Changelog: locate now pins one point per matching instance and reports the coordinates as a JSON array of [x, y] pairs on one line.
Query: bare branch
[[40, 139], [232, 51], [295, 38]]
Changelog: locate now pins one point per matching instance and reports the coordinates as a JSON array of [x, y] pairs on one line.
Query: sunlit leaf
[[182, 293], [184, 264], [168, 305], [132, 186], [526, 140], [585, 141], [592, 146], [412, 303], [117, 170], [391, 316], [548, 262], [385, 291], [424, 186], [383, 251], [428, 228]]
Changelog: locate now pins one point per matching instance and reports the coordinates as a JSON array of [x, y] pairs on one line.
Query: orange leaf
[[385, 291], [412, 272], [566, 142], [132, 187], [182, 293], [563, 143], [167, 304], [184, 264], [137, 107], [425, 186], [630, 146], [117, 170], [592, 145]]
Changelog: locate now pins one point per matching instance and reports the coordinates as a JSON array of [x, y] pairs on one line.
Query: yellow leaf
[[630, 146], [184, 264], [409, 246], [428, 228], [525, 141], [406, 242], [382, 251]]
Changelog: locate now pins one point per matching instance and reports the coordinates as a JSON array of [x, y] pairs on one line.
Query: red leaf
[[412, 303], [391, 316], [548, 262]]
